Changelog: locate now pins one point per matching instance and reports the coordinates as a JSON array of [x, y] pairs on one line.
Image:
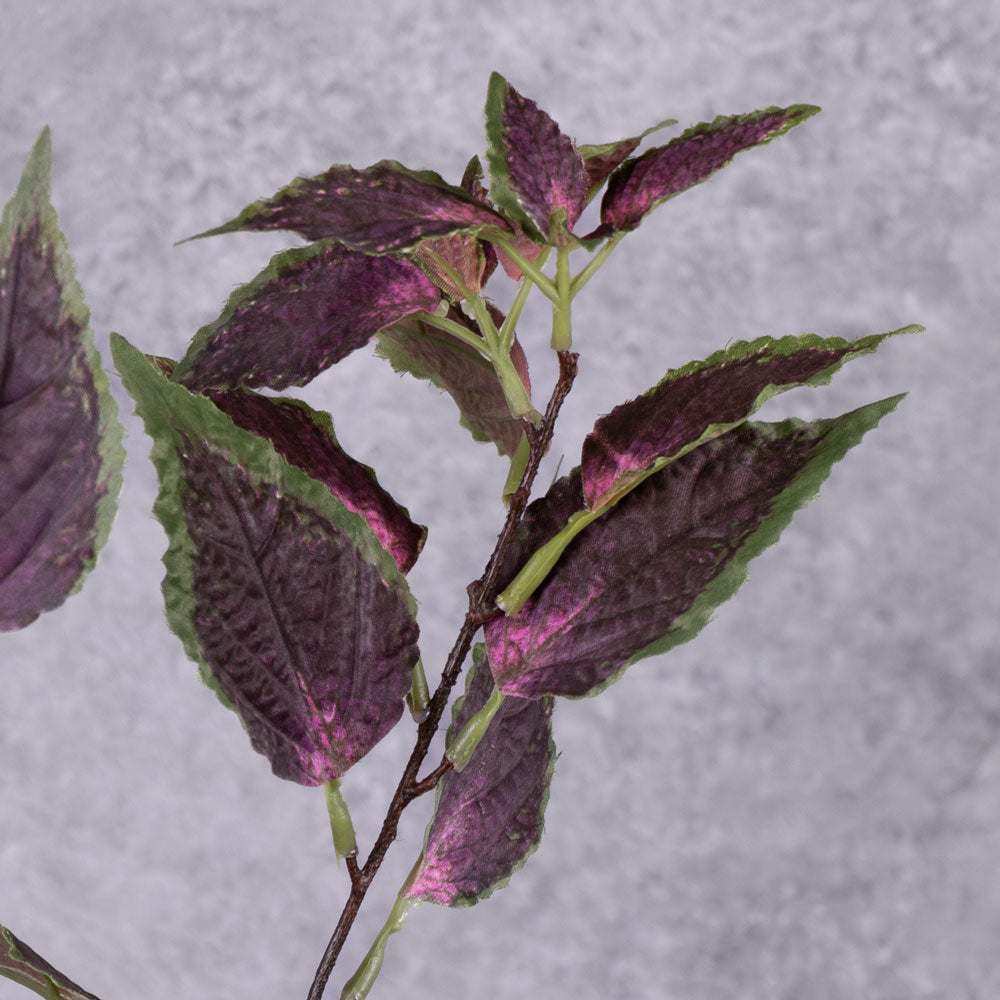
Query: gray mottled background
[[804, 803]]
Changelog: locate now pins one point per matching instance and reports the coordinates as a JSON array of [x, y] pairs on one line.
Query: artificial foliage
[[287, 560]]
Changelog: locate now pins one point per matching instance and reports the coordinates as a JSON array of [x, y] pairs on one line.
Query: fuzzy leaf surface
[[428, 353], [298, 616], [489, 817], [534, 167], [639, 185], [648, 573], [26, 967], [704, 399], [307, 310], [381, 209], [61, 452], [600, 161]]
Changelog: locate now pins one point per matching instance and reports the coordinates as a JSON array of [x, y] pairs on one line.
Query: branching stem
[[482, 594]]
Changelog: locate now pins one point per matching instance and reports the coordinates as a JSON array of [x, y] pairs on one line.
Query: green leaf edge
[[503, 195], [427, 176], [402, 365], [790, 344], [32, 198], [848, 430], [479, 661], [45, 986], [162, 405]]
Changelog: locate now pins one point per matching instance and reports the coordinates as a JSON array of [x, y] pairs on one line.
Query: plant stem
[[464, 746], [561, 337], [482, 594], [340, 821]]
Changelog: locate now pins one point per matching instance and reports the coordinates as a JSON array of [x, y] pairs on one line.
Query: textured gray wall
[[804, 802]]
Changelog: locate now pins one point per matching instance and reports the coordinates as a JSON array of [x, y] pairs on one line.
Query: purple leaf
[[703, 400], [639, 185], [380, 209], [488, 817], [534, 167], [305, 437], [429, 353], [308, 309], [26, 967], [298, 616], [648, 573], [60, 439], [600, 161]]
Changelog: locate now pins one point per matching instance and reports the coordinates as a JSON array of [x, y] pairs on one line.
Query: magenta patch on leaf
[[639, 185], [307, 310], [429, 353], [380, 209], [303, 636], [722, 390], [305, 438], [60, 440], [488, 817], [648, 573]]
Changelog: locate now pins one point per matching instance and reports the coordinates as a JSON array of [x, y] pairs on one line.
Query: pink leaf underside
[[309, 309], [298, 434], [638, 185], [379, 209], [306, 640], [466, 376], [488, 817], [50, 437], [627, 578], [677, 412], [544, 169]]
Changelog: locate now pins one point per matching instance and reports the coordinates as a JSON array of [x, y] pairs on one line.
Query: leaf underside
[[428, 353], [704, 399], [489, 817], [27, 968], [307, 310], [60, 437], [648, 573], [298, 616]]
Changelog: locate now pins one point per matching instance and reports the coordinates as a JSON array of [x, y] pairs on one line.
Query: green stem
[[533, 271], [514, 313], [359, 985], [562, 339], [453, 276], [538, 567], [456, 329], [593, 265], [464, 746], [518, 463], [340, 821]]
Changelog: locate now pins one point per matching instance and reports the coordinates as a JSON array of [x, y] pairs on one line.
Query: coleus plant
[[287, 561]]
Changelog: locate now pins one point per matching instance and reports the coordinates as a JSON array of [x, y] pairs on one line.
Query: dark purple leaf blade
[[534, 168], [305, 437], [299, 617], [380, 209], [639, 185], [27, 968], [428, 353], [61, 454], [307, 310], [488, 818], [704, 399], [648, 574]]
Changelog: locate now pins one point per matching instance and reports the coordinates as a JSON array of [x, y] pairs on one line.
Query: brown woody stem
[[482, 594]]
